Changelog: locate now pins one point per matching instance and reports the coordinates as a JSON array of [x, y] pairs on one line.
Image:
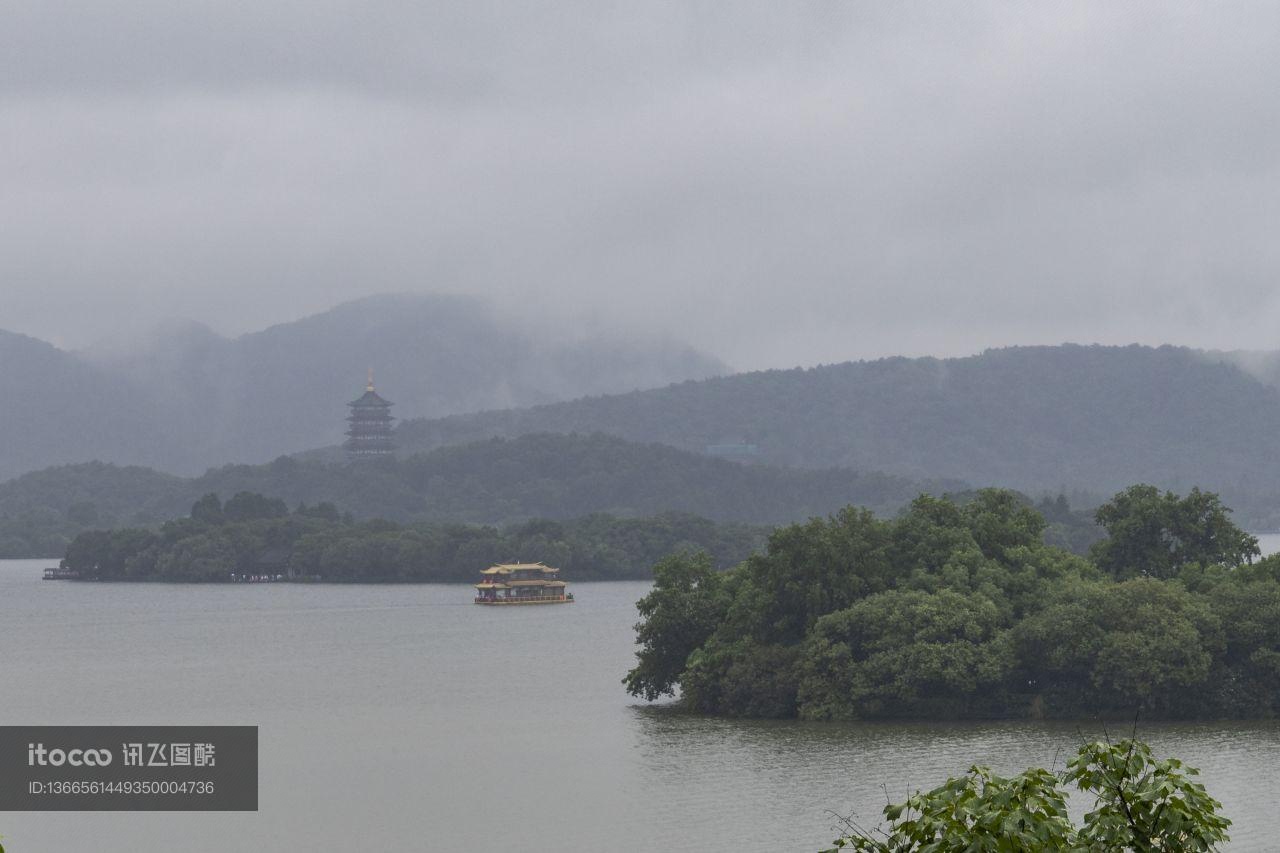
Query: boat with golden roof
[[521, 583]]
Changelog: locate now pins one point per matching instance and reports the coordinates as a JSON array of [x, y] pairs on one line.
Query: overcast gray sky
[[780, 183]]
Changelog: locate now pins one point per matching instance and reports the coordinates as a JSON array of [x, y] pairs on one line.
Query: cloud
[[779, 183]]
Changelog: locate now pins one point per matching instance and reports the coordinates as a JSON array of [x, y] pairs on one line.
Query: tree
[[1140, 804], [742, 677], [1158, 535], [105, 555], [906, 653], [1000, 523], [1114, 647], [244, 506], [208, 509], [679, 615]]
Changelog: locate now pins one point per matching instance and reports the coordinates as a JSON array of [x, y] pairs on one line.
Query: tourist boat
[[522, 583]]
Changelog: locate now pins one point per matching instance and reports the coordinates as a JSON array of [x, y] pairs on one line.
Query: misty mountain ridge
[[1041, 419], [182, 398]]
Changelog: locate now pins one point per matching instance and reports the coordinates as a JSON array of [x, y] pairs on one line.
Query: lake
[[405, 718]]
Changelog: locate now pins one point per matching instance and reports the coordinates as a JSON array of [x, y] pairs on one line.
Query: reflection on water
[[404, 718]]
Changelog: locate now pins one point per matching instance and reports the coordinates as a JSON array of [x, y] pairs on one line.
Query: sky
[[776, 183]]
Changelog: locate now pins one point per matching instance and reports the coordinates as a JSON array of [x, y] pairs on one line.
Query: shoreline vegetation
[[254, 536], [961, 611]]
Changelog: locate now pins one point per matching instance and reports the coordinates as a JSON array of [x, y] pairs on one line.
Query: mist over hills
[[1074, 418], [183, 398]]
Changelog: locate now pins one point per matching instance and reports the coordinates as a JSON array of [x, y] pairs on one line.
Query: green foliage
[[1143, 804], [742, 677], [959, 609], [1140, 804], [315, 542], [208, 510], [977, 812], [907, 652], [1160, 535], [247, 506], [1102, 647], [678, 615]]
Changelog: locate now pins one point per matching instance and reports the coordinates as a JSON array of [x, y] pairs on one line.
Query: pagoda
[[369, 425]]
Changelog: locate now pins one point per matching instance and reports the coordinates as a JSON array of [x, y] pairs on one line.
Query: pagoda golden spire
[[369, 387]]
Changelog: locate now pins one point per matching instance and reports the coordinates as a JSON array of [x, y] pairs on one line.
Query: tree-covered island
[[252, 535], [954, 611]]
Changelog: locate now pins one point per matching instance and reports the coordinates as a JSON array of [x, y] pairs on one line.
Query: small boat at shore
[[521, 583]]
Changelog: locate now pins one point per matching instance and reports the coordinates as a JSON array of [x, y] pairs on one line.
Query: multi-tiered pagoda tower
[[369, 425]]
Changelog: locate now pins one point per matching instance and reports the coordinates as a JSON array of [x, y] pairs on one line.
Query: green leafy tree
[[1001, 523], [208, 510], [106, 554], [1142, 644], [907, 653], [809, 570], [853, 616], [978, 812], [1140, 804], [679, 615], [1159, 535], [1143, 804], [742, 677], [245, 506]]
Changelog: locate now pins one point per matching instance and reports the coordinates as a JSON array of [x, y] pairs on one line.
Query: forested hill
[[183, 398], [494, 481], [1088, 418]]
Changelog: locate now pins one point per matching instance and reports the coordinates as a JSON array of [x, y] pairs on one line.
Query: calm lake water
[[396, 718]]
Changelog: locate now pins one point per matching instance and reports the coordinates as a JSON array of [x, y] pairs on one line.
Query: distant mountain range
[[1041, 419], [1084, 420], [184, 399]]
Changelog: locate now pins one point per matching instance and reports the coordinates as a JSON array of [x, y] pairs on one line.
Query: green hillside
[[1074, 418], [492, 482]]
